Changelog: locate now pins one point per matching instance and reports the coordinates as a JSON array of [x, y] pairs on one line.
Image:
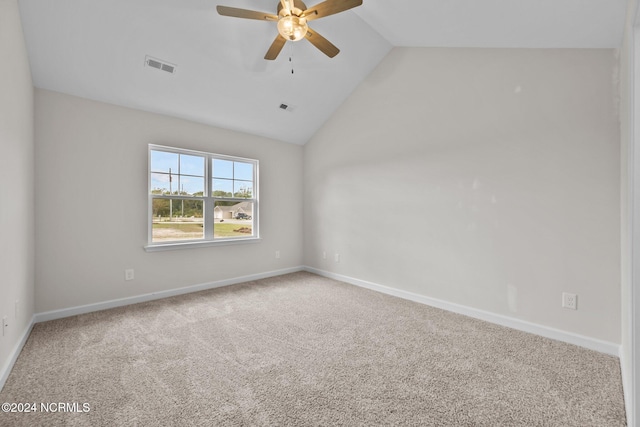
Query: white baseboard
[[73, 311], [627, 387], [510, 322], [8, 366]]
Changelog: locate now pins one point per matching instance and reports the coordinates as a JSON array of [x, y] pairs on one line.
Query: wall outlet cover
[[569, 301]]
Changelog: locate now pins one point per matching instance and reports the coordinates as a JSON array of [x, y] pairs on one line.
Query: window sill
[[158, 247]]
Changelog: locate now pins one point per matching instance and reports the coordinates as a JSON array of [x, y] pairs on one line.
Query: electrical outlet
[[5, 325], [277, 254], [129, 274], [337, 257], [17, 309], [324, 254], [570, 301]]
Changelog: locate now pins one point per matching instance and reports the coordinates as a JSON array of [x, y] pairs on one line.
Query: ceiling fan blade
[[275, 48], [329, 7], [321, 43], [245, 13]]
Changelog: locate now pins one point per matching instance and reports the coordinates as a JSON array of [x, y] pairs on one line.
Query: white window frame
[[208, 203]]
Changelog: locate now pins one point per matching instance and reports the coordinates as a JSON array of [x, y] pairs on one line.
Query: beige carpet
[[303, 350]]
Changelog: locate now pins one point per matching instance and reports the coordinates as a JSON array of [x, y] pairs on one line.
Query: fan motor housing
[[298, 8]]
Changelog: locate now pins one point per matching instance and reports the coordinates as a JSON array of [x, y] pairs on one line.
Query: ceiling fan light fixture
[[292, 27], [292, 17]]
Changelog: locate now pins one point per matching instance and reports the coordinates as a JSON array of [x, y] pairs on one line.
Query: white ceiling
[[96, 49]]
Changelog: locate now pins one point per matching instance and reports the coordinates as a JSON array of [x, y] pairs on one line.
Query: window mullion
[[208, 200]]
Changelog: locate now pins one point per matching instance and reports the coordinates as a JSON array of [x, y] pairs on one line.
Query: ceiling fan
[[292, 17]]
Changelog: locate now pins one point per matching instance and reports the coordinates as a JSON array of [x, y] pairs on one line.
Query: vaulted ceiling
[[96, 49]]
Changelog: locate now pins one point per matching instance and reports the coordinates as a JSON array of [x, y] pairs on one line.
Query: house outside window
[[198, 198]]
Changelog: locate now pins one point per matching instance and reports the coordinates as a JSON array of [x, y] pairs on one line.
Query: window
[[198, 198]]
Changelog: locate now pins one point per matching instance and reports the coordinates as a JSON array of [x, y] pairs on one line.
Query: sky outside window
[[232, 179], [173, 172]]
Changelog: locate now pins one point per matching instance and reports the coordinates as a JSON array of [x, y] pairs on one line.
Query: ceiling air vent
[[159, 64], [286, 106]]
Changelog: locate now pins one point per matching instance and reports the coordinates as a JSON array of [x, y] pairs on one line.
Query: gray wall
[[627, 172], [91, 221], [483, 177], [16, 178]]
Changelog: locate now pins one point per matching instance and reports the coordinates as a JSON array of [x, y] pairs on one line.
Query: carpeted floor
[[303, 350]]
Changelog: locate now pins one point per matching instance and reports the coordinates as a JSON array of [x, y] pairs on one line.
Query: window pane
[[231, 219], [196, 179], [243, 171], [163, 183], [243, 189], [161, 161], [222, 188], [222, 168], [191, 165], [191, 186], [177, 220]]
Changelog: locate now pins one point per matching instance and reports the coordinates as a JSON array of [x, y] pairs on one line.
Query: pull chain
[[291, 56]]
